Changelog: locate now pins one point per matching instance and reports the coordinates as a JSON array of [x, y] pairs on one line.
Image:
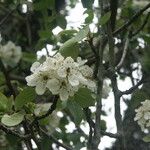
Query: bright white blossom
[[143, 115], [10, 54], [62, 76]]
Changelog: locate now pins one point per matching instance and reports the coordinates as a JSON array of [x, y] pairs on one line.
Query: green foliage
[[34, 31], [12, 120], [146, 139], [61, 21], [90, 16], [25, 96], [71, 47], [84, 98], [5, 103], [104, 19], [76, 111], [83, 33], [29, 57]]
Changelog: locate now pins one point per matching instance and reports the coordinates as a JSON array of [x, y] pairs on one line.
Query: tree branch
[[116, 136], [123, 54], [113, 8], [6, 17], [128, 23], [55, 140], [51, 109], [118, 116], [9, 131], [134, 87], [91, 126], [142, 26]]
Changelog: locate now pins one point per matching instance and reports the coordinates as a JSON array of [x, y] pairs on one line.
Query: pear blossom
[[10, 54], [143, 115], [61, 76]]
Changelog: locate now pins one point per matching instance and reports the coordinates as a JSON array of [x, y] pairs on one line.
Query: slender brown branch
[[51, 109], [18, 78], [87, 113], [128, 23], [118, 116], [55, 140], [123, 54], [9, 131], [110, 134], [142, 26], [134, 87], [113, 8], [6, 17]]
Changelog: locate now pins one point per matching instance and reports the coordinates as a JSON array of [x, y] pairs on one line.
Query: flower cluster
[[10, 54], [62, 76], [143, 115]]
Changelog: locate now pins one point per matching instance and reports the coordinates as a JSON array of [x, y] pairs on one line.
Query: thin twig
[[134, 87], [123, 54], [142, 26], [55, 140], [9, 131], [51, 109], [87, 113], [110, 134], [6, 17], [128, 23]]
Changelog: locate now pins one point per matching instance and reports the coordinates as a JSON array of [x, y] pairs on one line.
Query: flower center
[[45, 78]]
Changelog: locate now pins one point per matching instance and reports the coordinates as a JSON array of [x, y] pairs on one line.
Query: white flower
[[143, 115], [61, 76], [10, 54]]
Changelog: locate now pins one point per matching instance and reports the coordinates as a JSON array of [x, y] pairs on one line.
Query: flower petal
[[34, 66], [63, 94], [62, 72], [53, 85], [73, 80], [40, 88]]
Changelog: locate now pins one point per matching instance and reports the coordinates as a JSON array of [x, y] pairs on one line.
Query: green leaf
[[75, 110], [87, 3], [70, 48], [146, 139], [26, 96], [104, 19], [12, 120], [90, 16], [61, 21], [65, 35], [40, 5], [84, 98], [82, 34], [4, 103], [29, 57], [41, 109]]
